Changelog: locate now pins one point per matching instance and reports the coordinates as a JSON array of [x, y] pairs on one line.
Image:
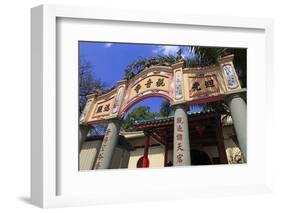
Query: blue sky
[[109, 60]]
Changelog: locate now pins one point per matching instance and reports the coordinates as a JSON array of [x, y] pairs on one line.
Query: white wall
[[15, 105], [155, 156], [89, 151], [88, 154]]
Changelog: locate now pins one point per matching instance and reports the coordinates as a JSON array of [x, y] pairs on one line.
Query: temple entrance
[[149, 148], [205, 133], [168, 140]]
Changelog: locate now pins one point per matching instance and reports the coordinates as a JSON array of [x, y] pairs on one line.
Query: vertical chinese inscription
[[178, 85], [117, 100], [179, 141], [231, 79], [102, 149], [86, 109]]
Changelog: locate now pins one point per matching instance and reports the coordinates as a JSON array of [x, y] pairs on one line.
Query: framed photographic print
[[131, 106]]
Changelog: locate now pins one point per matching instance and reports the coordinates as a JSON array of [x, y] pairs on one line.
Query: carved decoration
[[178, 84], [117, 101], [86, 109], [234, 155], [203, 85], [231, 79]]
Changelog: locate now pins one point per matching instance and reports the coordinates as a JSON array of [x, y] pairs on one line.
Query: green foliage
[[240, 64], [220, 107], [143, 113], [166, 59], [206, 56], [210, 55], [202, 56], [165, 109], [134, 68], [141, 63], [139, 113]]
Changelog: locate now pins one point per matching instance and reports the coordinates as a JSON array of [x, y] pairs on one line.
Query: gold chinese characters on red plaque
[[203, 85]]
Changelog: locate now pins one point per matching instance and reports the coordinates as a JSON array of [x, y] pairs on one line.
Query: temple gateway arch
[[182, 87]]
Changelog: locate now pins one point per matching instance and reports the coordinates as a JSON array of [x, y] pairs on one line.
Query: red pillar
[[145, 161]]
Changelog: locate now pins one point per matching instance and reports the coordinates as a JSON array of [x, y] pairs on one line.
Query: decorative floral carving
[[234, 155]]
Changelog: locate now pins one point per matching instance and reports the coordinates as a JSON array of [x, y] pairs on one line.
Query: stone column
[[83, 132], [238, 110], [181, 137], [108, 145]]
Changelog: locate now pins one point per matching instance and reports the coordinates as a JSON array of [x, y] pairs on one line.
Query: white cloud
[[171, 50], [107, 45], [166, 50]]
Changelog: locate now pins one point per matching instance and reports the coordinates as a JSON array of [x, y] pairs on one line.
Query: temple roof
[[158, 120]]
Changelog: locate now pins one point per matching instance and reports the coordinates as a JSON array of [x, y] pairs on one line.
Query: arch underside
[[141, 98]]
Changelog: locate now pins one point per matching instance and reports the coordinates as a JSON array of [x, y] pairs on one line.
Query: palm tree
[[132, 69], [207, 56], [202, 56], [142, 63]]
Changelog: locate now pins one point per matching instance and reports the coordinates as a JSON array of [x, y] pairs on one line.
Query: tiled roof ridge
[[170, 117]]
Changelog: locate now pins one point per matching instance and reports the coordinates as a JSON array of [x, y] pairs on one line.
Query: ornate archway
[[175, 83], [182, 86]]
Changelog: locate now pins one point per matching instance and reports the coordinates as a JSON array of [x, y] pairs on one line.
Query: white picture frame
[[45, 168]]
